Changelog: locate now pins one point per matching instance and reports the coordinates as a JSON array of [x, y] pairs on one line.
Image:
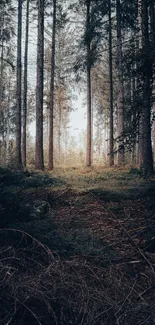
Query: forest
[[77, 156]]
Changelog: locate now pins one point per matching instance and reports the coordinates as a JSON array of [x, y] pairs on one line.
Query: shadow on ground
[[76, 256]]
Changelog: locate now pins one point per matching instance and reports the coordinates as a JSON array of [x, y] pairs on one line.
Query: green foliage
[[129, 12], [26, 179], [93, 34], [13, 203]]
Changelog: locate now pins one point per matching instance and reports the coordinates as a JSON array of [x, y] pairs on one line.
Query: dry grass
[[37, 287], [100, 269]]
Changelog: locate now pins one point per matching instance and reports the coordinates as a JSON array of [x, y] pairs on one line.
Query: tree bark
[[51, 140], [139, 83], [18, 94], [59, 122], [39, 158], [120, 96], [8, 126], [89, 108], [147, 160], [111, 135], [2, 57], [152, 38], [25, 87]]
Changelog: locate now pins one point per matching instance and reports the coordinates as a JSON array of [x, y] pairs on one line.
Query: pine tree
[[39, 158], [51, 162], [89, 96], [147, 161], [25, 87], [6, 67], [19, 83], [111, 134], [152, 39], [120, 96]]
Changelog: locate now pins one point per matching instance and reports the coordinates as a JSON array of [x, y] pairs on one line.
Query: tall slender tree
[[120, 96], [25, 86], [139, 82], [152, 39], [147, 160], [111, 135], [51, 161], [19, 73], [2, 56], [6, 62], [6, 36], [89, 108], [39, 157]]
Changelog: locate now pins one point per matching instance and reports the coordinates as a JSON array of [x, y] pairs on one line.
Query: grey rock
[[39, 209]]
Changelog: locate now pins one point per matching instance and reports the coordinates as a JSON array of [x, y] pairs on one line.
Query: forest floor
[[87, 258]]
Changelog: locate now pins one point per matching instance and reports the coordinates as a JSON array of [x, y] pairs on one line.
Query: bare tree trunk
[[1, 93], [2, 57], [152, 37], [59, 126], [51, 140], [140, 130], [19, 102], [111, 135], [25, 87], [1, 80], [154, 136], [132, 97], [39, 159], [120, 96], [147, 161], [89, 108], [8, 126]]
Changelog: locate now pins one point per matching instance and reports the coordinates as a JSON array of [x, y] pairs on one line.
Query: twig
[[125, 231], [127, 298]]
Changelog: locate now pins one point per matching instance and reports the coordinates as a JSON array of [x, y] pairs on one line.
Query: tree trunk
[[2, 57], [89, 108], [59, 122], [25, 88], [1, 78], [1, 93], [39, 159], [111, 135], [51, 162], [147, 161], [132, 98], [139, 84], [8, 126], [18, 105], [152, 37], [120, 96]]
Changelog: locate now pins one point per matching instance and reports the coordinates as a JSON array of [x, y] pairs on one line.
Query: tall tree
[[62, 75], [6, 36], [89, 51], [140, 127], [51, 164], [25, 87], [120, 95], [152, 39], [147, 161], [39, 157], [18, 94], [111, 135], [2, 56], [89, 108]]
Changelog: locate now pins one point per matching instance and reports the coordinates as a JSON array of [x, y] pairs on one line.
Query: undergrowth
[[89, 260]]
